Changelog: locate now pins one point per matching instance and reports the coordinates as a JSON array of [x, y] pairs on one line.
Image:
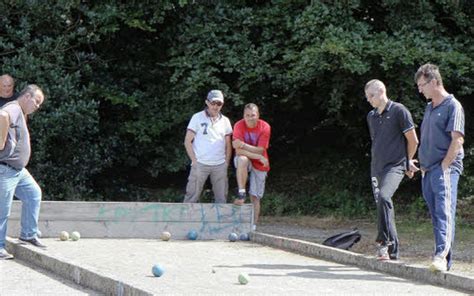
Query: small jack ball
[[233, 237], [157, 270]]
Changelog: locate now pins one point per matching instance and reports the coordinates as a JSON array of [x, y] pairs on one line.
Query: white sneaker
[[4, 255], [382, 253], [439, 264], [254, 227]]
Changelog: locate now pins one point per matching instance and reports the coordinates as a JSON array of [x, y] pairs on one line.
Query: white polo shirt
[[209, 139]]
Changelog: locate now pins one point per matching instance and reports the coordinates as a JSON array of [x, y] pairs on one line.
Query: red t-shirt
[[258, 136]]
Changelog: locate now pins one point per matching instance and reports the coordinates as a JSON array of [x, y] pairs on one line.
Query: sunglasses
[[423, 84], [216, 103]]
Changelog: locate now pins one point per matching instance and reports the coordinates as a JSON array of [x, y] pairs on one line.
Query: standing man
[[394, 144], [441, 153], [14, 177], [251, 141], [208, 145], [7, 89]]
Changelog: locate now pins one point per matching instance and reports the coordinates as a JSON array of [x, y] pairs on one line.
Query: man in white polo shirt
[[208, 145]]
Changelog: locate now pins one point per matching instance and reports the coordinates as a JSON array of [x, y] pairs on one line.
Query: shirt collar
[[447, 99], [219, 116], [387, 108]]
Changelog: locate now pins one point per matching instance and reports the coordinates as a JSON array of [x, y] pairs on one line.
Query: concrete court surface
[[212, 268], [17, 278]]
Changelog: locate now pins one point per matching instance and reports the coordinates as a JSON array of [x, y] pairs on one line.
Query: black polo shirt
[[387, 131]]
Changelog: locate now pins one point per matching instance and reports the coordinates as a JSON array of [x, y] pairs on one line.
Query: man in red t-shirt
[[251, 139]]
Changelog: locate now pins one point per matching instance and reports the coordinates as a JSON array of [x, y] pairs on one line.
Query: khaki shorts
[[256, 180]]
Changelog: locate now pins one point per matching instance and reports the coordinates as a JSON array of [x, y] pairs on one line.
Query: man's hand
[[412, 166], [444, 166], [238, 144], [263, 160]]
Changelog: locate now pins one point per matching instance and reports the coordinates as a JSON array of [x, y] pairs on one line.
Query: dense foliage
[[123, 78]]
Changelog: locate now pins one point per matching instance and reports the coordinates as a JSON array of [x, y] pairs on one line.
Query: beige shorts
[[256, 180]]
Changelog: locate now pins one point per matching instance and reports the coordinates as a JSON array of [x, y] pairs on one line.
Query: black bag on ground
[[343, 240]]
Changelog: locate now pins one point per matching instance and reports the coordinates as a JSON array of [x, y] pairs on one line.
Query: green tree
[[123, 79]]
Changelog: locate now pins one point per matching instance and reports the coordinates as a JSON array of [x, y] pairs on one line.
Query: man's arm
[[457, 140], [412, 144], [188, 144], [238, 144], [252, 155], [228, 148], [4, 125]]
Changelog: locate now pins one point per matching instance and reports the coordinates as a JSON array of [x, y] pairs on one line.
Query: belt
[[6, 164]]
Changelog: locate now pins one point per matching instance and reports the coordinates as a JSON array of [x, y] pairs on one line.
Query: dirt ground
[[416, 237]]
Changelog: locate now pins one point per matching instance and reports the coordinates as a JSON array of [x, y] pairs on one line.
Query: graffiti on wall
[[211, 218]]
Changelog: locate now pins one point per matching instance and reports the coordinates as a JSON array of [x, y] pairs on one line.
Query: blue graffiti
[[213, 218]]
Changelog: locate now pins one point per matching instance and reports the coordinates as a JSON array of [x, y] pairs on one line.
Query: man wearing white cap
[[208, 145]]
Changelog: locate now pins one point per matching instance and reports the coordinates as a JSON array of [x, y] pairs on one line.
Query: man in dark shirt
[[7, 89], [394, 144]]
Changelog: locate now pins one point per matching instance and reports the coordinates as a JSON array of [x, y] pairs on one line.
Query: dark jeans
[[384, 186]]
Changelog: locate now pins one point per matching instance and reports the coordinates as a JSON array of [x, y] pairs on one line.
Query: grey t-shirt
[[387, 131], [438, 123], [17, 150]]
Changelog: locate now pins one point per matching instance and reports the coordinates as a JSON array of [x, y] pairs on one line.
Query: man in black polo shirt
[[7, 89], [394, 144]]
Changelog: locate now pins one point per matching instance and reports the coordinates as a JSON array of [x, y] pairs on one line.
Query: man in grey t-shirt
[[394, 143], [15, 179]]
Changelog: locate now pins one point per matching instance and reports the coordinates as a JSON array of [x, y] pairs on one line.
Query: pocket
[[197, 167], [448, 169], [192, 181], [8, 172], [438, 167]]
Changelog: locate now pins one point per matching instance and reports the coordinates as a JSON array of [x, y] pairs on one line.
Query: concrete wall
[[137, 219]]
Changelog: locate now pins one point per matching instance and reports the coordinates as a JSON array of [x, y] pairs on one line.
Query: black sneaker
[[34, 242], [240, 199], [4, 255], [241, 195]]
